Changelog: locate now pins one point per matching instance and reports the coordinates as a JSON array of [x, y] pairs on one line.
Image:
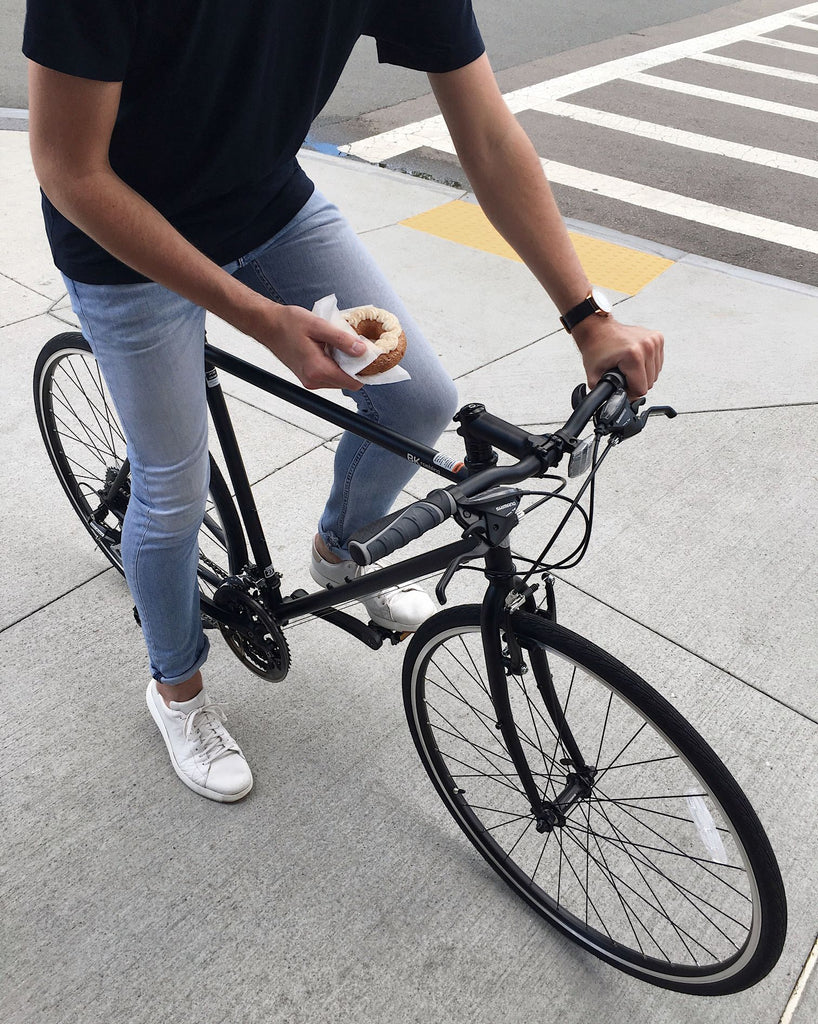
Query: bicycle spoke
[[694, 899], [634, 862], [622, 901], [686, 894], [653, 906], [537, 743], [87, 444], [587, 895], [627, 810], [598, 757], [60, 395], [485, 718], [625, 862]]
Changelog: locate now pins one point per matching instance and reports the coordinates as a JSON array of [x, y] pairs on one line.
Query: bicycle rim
[[87, 447], [662, 870]]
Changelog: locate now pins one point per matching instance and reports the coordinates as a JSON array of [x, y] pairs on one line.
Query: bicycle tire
[[86, 444], [675, 884]]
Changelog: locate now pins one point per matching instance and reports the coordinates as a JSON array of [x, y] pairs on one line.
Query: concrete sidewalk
[[340, 890]]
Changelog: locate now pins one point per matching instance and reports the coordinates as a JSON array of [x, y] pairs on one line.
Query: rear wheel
[[649, 856], [86, 444]]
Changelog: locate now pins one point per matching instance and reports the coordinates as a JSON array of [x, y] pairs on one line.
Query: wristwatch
[[596, 303]]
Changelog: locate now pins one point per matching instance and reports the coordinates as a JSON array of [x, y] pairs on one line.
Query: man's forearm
[[133, 231], [512, 190]]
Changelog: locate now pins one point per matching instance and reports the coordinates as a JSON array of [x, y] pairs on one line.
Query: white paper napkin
[[327, 309]]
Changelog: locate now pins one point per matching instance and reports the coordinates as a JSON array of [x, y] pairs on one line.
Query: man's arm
[[71, 121], [507, 177]]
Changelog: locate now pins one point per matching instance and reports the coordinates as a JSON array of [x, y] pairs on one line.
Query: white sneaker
[[203, 753], [403, 609]]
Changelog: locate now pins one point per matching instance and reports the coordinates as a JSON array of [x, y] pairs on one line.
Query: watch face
[[602, 300]]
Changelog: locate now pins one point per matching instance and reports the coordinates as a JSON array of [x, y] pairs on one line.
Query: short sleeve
[[87, 38], [426, 35]]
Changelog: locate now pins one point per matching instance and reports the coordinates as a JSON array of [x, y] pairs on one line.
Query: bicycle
[[582, 787]]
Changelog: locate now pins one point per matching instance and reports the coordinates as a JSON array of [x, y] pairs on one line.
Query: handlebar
[[417, 519], [539, 453]]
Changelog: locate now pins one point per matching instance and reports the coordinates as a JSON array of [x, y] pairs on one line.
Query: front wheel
[[656, 863]]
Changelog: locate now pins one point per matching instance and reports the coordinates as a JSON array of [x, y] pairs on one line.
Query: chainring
[[258, 642]]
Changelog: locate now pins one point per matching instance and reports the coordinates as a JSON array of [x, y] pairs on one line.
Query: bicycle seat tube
[[241, 484]]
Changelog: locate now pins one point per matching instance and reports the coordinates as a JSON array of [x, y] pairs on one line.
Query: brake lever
[[657, 410], [476, 552], [621, 419]]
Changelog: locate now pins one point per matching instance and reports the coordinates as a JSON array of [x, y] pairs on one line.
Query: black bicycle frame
[[421, 455], [499, 564]]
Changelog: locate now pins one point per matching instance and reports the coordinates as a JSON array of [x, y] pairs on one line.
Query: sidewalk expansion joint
[[505, 355], [689, 412], [34, 291], [266, 476], [747, 408], [24, 319], [54, 600], [688, 650], [800, 986], [401, 223]]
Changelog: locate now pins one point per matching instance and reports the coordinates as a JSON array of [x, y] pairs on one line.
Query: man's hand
[[300, 339], [605, 344]]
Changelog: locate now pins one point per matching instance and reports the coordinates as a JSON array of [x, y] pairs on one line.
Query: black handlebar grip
[[414, 521]]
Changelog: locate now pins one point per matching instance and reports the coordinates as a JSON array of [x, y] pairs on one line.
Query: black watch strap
[[580, 312]]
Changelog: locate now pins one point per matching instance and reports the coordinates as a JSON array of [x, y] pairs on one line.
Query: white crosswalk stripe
[[784, 44], [554, 98], [722, 96], [758, 69], [677, 137]]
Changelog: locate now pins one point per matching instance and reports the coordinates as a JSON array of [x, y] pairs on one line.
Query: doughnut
[[384, 331]]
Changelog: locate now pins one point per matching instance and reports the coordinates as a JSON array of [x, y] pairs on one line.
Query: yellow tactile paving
[[617, 267]]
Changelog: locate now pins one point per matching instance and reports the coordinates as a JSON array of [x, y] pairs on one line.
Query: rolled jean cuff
[[333, 543], [184, 676]]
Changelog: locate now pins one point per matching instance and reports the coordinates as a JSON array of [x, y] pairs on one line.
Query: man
[[165, 139]]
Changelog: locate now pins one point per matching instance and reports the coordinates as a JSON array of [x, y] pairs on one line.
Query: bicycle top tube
[[419, 454]]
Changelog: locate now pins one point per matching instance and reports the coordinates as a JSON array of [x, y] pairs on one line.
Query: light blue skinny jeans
[[149, 343]]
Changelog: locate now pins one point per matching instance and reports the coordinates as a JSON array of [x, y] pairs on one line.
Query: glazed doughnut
[[383, 329]]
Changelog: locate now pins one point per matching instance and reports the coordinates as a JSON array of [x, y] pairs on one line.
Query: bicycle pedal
[[393, 636]]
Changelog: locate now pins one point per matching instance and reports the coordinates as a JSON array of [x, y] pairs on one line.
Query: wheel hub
[[554, 813]]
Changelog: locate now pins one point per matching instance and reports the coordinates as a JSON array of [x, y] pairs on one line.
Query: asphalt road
[[704, 138]]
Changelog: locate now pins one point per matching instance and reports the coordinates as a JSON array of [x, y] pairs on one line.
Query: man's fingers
[[321, 371], [349, 343], [642, 365], [325, 334], [635, 365]]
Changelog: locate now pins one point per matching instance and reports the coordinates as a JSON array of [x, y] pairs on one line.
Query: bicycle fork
[[495, 622]]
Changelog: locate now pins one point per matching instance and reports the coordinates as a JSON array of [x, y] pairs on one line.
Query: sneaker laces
[[206, 722]]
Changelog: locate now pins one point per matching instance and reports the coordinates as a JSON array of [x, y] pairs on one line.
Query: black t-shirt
[[218, 97]]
